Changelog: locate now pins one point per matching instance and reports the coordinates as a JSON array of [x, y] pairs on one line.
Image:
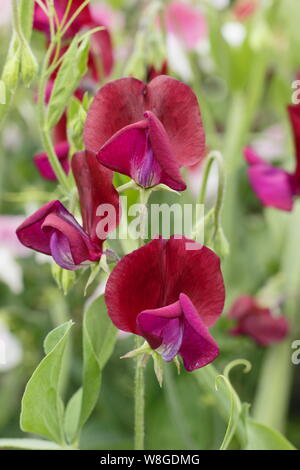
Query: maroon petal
[[143, 151], [163, 329], [30, 231], [155, 275], [176, 106], [294, 114], [194, 270], [262, 327], [95, 187], [198, 348], [241, 307], [272, 185], [54, 231], [135, 285], [101, 55], [116, 105], [43, 165], [124, 102]]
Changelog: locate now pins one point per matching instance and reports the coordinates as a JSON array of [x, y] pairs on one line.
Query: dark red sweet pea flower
[[257, 322], [43, 165], [170, 295], [52, 230], [146, 131], [275, 187]]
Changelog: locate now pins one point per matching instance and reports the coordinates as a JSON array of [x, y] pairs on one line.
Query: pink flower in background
[[257, 322], [274, 186], [146, 131], [170, 296], [244, 9], [186, 22], [52, 230]]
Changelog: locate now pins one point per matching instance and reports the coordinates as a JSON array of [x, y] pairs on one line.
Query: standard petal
[[135, 285], [176, 106], [123, 102], [43, 165], [196, 273], [95, 187], [156, 274], [116, 105], [198, 347]]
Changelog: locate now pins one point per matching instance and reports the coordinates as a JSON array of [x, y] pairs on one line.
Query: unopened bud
[[29, 65], [11, 71]]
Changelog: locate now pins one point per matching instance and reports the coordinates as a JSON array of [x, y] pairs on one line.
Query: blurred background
[[241, 65]]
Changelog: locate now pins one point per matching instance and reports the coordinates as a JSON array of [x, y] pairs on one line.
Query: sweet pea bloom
[[52, 230], [275, 187], [244, 9], [257, 322], [101, 44], [171, 296], [146, 131]]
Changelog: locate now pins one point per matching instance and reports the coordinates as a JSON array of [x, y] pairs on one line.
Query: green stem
[[206, 378], [276, 373], [45, 133], [241, 115], [139, 405]]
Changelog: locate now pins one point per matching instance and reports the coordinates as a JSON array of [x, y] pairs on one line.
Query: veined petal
[[294, 114], [123, 102]]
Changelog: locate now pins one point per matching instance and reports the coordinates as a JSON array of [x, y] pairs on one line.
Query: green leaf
[[42, 408], [99, 337], [28, 444], [72, 69], [72, 415], [261, 437]]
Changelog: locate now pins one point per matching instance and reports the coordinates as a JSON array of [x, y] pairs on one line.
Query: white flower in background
[[234, 33], [10, 249], [219, 4], [177, 58], [6, 12], [11, 351]]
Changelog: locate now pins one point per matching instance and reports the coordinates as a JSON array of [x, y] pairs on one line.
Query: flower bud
[[29, 65], [11, 70], [221, 245]]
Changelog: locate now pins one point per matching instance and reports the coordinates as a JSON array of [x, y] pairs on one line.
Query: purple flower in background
[[274, 186]]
